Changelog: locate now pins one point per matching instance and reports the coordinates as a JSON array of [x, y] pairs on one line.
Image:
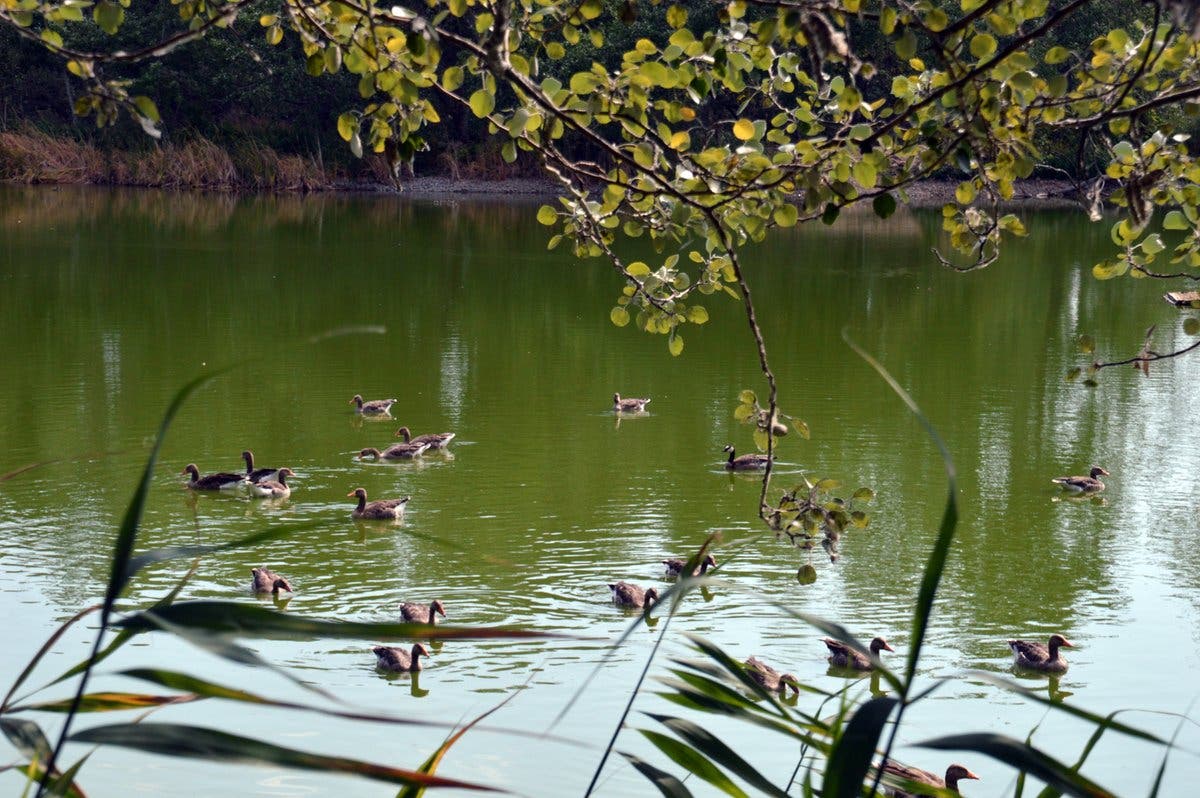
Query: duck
[[376, 407], [1088, 484], [674, 567], [219, 481], [419, 613], [258, 474], [377, 510], [274, 488], [434, 440], [766, 676], [843, 656], [1035, 656], [630, 405], [267, 581], [954, 774], [747, 462], [397, 451], [626, 595], [397, 659]]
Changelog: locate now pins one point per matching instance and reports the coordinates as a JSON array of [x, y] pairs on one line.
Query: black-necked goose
[[745, 462], [218, 481], [258, 474]]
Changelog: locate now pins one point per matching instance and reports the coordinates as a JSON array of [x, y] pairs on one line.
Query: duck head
[[879, 644], [405, 433], [1098, 471], [956, 773], [436, 606], [1058, 641]]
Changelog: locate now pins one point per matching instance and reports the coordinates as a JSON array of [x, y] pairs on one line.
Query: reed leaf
[[64, 784], [27, 737], [106, 702], [59, 785], [197, 742], [693, 762], [851, 756], [667, 784], [174, 552], [738, 671], [718, 752], [1023, 757], [41, 652]]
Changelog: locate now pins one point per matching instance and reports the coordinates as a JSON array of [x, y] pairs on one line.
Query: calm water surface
[[110, 302]]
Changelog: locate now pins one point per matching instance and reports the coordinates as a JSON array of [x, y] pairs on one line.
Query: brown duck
[[419, 613], [954, 774], [219, 481], [397, 451], [1035, 656], [626, 595], [630, 405], [378, 510], [434, 440], [274, 488], [746, 462], [376, 407], [1088, 484], [266, 581], [397, 659], [843, 656], [675, 567], [771, 679], [258, 474]]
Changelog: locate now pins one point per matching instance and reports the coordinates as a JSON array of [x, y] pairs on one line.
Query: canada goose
[[397, 451], [397, 659], [219, 481], [675, 567], [434, 440], [377, 510], [274, 488], [1088, 484], [1035, 656], [630, 405], [376, 407], [265, 581], [258, 474], [419, 613], [842, 656], [771, 679], [627, 595], [747, 462], [954, 774]]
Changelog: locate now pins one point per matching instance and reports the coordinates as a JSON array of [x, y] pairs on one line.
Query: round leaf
[[482, 103], [743, 129]]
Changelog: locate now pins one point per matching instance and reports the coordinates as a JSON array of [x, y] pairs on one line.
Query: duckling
[[397, 451], [747, 462], [274, 488], [630, 405], [219, 481], [258, 474], [265, 581], [376, 407], [954, 774], [434, 440], [419, 613], [397, 659], [627, 595], [377, 510], [842, 656], [1088, 484], [674, 567], [1035, 656], [771, 679]]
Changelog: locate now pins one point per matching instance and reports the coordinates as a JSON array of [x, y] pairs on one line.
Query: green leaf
[[677, 16], [801, 429], [830, 214], [1056, 55], [1175, 220], [851, 756], [27, 737], [718, 752], [743, 129], [743, 412], [697, 314], [1073, 374], [429, 766], [786, 215], [106, 702], [865, 494], [1023, 757], [619, 316], [983, 45], [747, 397], [452, 78], [884, 205], [667, 784], [694, 762], [108, 16], [547, 215], [675, 344], [1087, 344], [864, 174], [482, 103]]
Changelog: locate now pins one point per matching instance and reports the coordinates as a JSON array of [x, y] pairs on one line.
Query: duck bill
[[887, 647], [970, 775]]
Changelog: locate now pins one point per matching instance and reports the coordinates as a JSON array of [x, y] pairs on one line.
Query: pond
[[110, 302]]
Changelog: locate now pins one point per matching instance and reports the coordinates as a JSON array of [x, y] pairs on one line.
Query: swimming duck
[[1088, 484], [258, 474], [376, 407], [627, 595], [266, 581], [219, 481], [1035, 656], [419, 613], [274, 488], [397, 451], [747, 462], [675, 567], [377, 510], [630, 405], [954, 774], [434, 440], [771, 679], [842, 656], [397, 659]]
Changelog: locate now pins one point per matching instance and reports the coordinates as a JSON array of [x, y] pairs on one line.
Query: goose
[[376, 407], [1035, 656], [842, 656], [397, 659], [419, 613], [274, 488], [1088, 484], [258, 474], [434, 440], [747, 462], [954, 774], [674, 567], [266, 581], [627, 595], [377, 510], [771, 679], [630, 405], [397, 451], [219, 481]]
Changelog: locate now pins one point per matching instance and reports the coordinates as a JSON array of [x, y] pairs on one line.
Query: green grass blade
[[667, 784], [694, 762], [719, 752], [1162, 768], [1023, 757], [41, 652], [197, 742], [851, 756], [174, 552], [27, 737], [65, 785], [106, 702]]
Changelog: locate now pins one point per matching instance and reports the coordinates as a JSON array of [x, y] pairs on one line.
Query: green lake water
[[110, 302]]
